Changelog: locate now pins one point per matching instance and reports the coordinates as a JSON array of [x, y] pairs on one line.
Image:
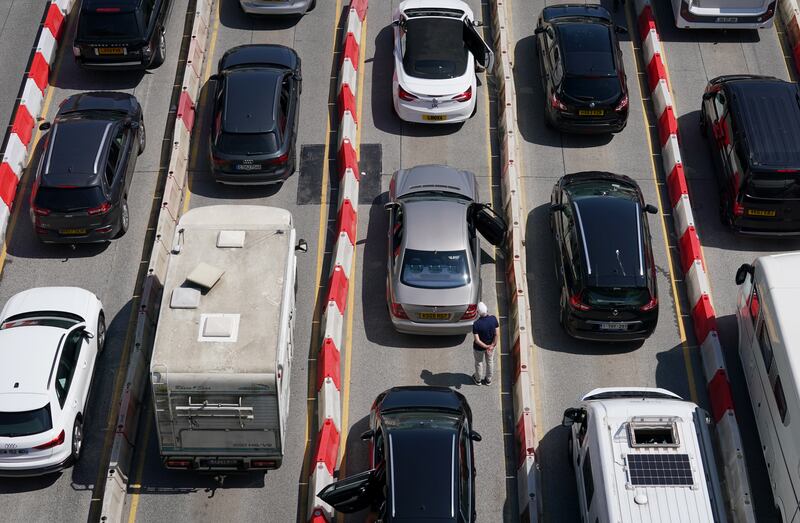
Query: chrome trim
[[100, 148], [641, 239], [50, 150], [583, 240], [453, 480], [391, 471]]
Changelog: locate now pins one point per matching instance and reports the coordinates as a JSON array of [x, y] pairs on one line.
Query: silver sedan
[[433, 282]]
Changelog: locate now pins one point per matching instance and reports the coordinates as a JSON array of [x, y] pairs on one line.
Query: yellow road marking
[[687, 359]]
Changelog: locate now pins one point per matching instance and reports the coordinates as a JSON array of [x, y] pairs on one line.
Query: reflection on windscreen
[[435, 48], [420, 419], [775, 185], [609, 297], [435, 269], [13, 424]]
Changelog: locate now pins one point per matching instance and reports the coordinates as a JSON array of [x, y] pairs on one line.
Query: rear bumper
[[125, 62], [103, 233], [699, 18], [293, 7], [451, 112], [25, 470], [205, 463], [254, 178], [766, 227], [432, 329], [569, 124]]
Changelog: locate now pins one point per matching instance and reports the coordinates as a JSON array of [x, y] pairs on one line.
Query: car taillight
[[465, 96], [405, 95], [555, 103], [280, 159], [58, 440], [261, 464], [738, 209], [650, 305], [576, 303], [102, 209], [471, 312], [179, 463], [623, 104], [40, 211], [398, 311]]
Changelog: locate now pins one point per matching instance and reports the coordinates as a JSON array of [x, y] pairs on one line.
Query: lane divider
[[698, 287], [519, 315], [133, 392], [329, 386]]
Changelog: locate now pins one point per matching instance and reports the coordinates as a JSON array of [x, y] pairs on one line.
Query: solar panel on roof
[[661, 470]]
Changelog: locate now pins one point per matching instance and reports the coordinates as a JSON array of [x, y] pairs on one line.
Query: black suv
[[604, 260], [580, 65], [752, 124], [256, 103], [86, 166], [121, 34], [422, 464]]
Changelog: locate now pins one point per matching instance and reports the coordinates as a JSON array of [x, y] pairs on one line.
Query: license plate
[[727, 19], [111, 50], [760, 212], [72, 232], [434, 117], [248, 167], [590, 112], [613, 326], [14, 452], [434, 316], [222, 462]]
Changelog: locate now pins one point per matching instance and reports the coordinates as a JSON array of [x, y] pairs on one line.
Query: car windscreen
[[435, 269], [435, 48], [25, 423], [782, 186], [109, 25], [587, 49], [62, 199], [616, 296], [248, 143]]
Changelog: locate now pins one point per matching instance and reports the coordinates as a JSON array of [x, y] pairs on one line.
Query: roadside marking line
[[137, 485], [687, 358]]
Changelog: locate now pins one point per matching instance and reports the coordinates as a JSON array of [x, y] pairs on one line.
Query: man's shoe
[[487, 381], [476, 380]]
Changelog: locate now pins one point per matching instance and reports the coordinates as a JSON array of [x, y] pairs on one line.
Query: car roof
[[251, 100], [28, 354], [434, 177], [436, 224], [76, 151], [757, 105], [587, 47]]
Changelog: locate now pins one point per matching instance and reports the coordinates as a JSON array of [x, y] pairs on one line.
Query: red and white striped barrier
[[329, 398], [698, 288]]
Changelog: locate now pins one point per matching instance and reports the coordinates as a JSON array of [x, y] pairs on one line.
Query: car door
[[545, 58], [115, 165], [721, 138], [489, 224], [70, 373], [353, 493], [480, 50]]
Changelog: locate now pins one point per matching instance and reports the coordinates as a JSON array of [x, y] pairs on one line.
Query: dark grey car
[[433, 280]]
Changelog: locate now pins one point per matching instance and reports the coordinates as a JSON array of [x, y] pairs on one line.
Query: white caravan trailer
[[643, 455], [222, 358], [768, 314], [724, 14]]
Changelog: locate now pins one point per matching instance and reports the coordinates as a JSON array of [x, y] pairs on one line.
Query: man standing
[[486, 331]]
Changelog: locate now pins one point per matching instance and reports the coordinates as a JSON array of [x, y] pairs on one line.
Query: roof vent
[[653, 432], [185, 298], [230, 239], [205, 275], [219, 327]]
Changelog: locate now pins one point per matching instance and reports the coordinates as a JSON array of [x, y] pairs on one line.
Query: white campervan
[[222, 356], [768, 314], [724, 14], [643, 455]]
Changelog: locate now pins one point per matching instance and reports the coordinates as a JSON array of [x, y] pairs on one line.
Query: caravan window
[[588, 481], [780, 399], [766, 346]]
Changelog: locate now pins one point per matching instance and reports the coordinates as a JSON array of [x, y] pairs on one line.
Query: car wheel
[[101, 332], [161, 50], [142, 136], [77, 440], [124, 218]]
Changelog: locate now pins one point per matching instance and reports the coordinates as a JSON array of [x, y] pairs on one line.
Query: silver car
[[277, 7], [433, 282]]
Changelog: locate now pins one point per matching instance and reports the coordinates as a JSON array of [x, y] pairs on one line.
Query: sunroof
[[662, 470]]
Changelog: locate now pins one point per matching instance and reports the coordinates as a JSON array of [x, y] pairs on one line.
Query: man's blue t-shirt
[[485, 327]]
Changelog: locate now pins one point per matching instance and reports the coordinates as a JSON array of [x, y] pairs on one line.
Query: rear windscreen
[[60, 199], [592, 88], [616, 297], [435, 48], [774, 185], [248, 143], [25, 423], [98, 26], [435, 269]]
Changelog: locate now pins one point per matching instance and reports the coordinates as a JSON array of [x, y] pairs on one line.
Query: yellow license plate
[[590, 112], [111, 50], [434, 316], [434, 117], [760, 212], [72, 232]]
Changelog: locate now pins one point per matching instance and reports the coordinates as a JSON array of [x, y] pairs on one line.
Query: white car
[[50, 338], [436, 47]]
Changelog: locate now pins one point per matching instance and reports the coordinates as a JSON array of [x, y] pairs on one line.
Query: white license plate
[[222, 462], [249, 167], [13, 452], [434, 117], [727, 19], [614, 326]]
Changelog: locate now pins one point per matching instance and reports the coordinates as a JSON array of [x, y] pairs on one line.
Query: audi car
[[604, 257], [254, 125], [422, 462], [436, 47], [433, 282], [51, 337], [80, 194], [580, 66]]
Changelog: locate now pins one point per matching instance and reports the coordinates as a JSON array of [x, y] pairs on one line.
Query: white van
[[643, 455], [724, 14], [767, 312]]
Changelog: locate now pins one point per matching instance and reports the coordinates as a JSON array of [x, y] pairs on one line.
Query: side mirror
[[132, 124], [88, 335], [215, 78], [301, 246], [709, 95], [477, 23], [650, 208], [298, 77], [396, 22], [571, 415], [556, 207], [621, 30], [742, 272], [45, 126], [367, 434], [389, 205], [538, 30], [474, 436]]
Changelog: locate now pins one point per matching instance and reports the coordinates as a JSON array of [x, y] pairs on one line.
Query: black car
[[580, 65], [121, 34], [86, 166], [422, 464], [253, 132], [752, 124], [603, 257]]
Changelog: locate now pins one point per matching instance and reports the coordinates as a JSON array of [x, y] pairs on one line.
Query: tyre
[[161, 51], [124, 219], [76, 440], [142, 136], [101, 332]]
